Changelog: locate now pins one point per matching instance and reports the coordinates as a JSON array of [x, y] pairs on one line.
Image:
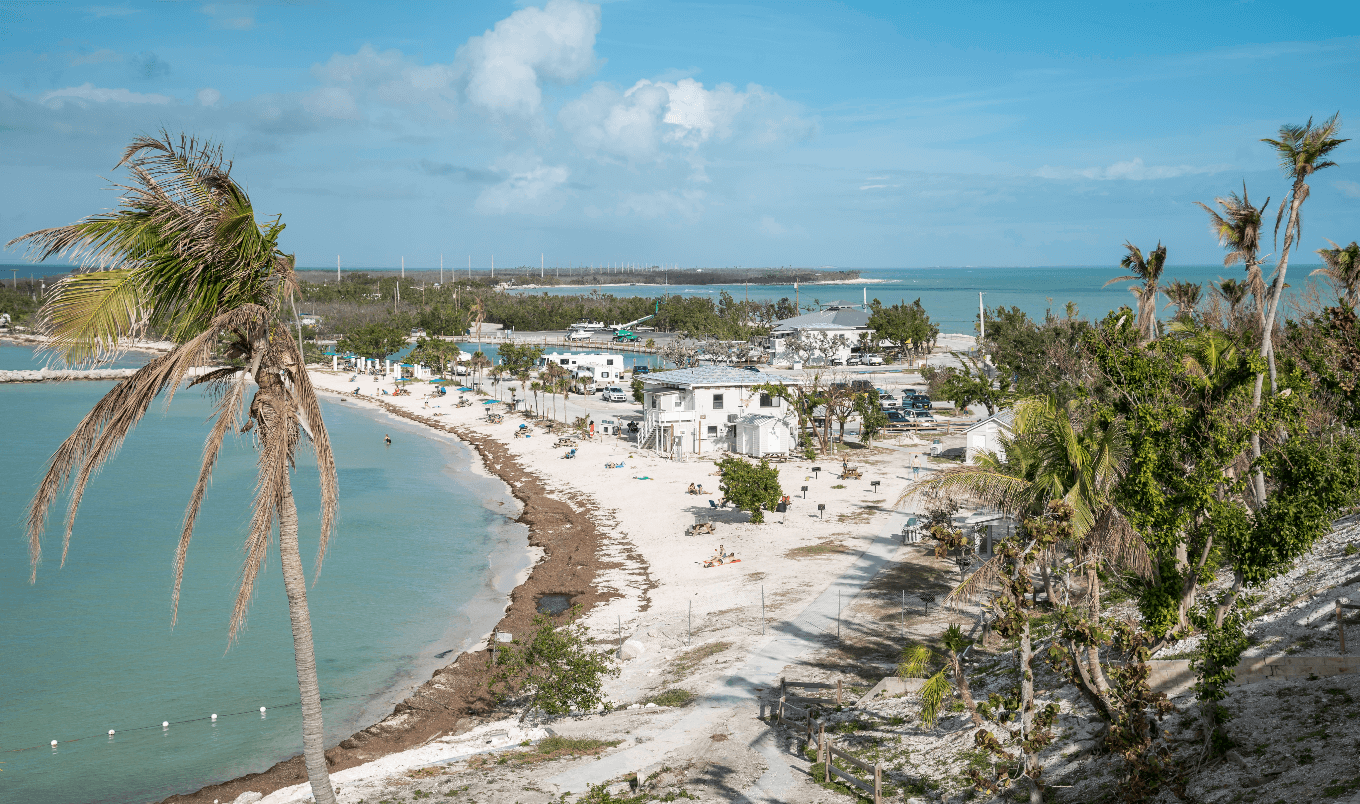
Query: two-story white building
[[606, 368], [713, 408], [819, 337]]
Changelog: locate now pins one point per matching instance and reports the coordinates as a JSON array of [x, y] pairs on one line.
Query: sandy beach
[[614, 541]]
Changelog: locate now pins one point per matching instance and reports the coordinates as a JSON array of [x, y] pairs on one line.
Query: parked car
[[641, 370], [897, 417], [838, 361], [614, 394], [923, 416], [886, 400], [861, 386], [873, 360], [852, 360], [920, 402]]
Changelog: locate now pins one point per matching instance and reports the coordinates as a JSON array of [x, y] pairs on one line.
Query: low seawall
[[1176, 677], [50, 374]]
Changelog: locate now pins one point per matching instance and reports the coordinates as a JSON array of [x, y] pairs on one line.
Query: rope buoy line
[[166, 724]]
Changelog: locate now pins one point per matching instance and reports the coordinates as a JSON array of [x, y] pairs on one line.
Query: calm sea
[[950, 295], [422, 564]]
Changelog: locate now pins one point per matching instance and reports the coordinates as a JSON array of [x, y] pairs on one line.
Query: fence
[[827, 752]]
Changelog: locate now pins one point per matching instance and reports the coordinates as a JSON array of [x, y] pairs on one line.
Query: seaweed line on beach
[[569, 529]]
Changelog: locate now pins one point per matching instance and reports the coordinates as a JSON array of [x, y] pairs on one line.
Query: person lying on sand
[[692, 489]]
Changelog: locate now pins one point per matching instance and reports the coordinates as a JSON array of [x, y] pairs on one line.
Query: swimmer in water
[[388, 439]]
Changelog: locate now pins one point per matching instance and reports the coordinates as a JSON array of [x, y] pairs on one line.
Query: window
[[712, 431], [604, 375], [717, 401], [654, 405], [564, 361], [767, 401], [678, 402], [609, 361]]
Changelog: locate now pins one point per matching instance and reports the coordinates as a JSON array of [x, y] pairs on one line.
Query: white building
[[698, 410], [606, 368], [985, 436], [821, 336]]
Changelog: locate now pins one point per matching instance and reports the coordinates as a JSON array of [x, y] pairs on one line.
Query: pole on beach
[[690, 633], [762, 609]]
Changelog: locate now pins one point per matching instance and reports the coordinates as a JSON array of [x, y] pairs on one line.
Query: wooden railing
[[793, 716]]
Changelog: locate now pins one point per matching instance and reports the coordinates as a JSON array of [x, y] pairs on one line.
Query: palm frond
[[915, 660], [979, 484], [932, 697], [228, 410], [977, 580]]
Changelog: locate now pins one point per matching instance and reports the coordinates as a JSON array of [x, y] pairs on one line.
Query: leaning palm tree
[[1302, 150], [1238, 231], [1149, 272], [184, 257], [1342, 267], [1185, 295]]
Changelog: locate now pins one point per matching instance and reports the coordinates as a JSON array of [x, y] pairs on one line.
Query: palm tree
[[1051, 459], [1238, 230], [183, 256], [1185, 295], [1232, 292], [1343, 269], [1303, 151], [1149, 272]]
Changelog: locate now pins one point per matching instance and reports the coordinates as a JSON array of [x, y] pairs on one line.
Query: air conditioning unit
[[731, 418]]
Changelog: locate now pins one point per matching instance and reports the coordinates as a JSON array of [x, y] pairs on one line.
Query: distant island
[[523, 275]]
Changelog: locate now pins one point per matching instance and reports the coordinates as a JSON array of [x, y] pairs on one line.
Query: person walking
[[916, 466]]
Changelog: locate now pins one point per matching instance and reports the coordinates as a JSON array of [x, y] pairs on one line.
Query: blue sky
[[786, 133]]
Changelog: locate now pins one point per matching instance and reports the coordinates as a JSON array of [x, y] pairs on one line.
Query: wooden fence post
[[838, 692], [827, 766], [821, 742], [878, 783]]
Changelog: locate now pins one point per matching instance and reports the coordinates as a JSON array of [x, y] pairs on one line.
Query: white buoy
[[110, 732], [165, 724], [214, 716], [54, 743], [261, 708]]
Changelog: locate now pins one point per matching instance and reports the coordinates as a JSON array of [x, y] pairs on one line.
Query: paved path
[[735, 695]]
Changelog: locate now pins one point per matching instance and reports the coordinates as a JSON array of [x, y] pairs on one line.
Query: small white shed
[[759, 435], [985, 436]]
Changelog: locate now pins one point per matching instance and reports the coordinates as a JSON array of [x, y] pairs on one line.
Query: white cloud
[[1350, 189], [687, 204], [1132, 170], [208, 96], [530, 188], [388, 78], [98, 57], [872, 186], [506, 64], [90, 93], [635, 124], [232, 16], [771, 227]]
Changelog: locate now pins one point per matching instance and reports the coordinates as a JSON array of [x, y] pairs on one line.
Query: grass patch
[[548, 749], [672, 697], [1338, 788], [687, 662], [819, 550]]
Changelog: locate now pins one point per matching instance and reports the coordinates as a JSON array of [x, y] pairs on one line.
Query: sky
[[852, 134]]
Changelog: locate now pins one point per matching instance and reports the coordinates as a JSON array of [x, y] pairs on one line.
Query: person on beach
[[387, 439], [916, 466]]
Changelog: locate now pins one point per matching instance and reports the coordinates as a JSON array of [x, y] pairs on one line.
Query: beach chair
[[571, 453], [712, 504]]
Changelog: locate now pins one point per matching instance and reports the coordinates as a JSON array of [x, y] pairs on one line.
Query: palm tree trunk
[[961, 682], [295, 584], [1093, 650], [1036, 795]]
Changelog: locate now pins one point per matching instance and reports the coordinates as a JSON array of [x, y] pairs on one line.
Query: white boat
[[589, 325]]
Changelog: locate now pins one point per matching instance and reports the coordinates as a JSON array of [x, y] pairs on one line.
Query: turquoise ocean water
[[421, 565], [950, 295]]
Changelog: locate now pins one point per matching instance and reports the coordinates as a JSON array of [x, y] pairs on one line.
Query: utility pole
[[493, 267], [469, 267], [982, 322], [337, 269], [441, 267], [403, 267], [540, 265]]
